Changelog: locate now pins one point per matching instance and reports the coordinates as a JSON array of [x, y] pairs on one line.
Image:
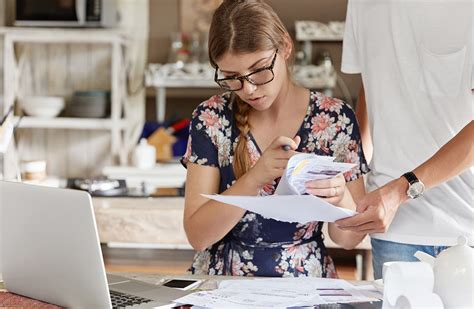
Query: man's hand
[[377, 209]]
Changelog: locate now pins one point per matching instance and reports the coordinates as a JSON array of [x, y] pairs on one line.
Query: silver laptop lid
[[50, 246]]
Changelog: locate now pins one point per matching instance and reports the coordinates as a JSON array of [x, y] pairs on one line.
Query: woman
[[236, 148]]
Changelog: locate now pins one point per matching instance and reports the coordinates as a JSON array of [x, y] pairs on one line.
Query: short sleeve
[[350, 53], [200, 148]]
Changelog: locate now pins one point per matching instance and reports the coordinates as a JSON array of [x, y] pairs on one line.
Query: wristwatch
[[415, 187]]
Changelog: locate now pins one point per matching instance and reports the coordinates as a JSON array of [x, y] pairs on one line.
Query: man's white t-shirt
[[416, 60]]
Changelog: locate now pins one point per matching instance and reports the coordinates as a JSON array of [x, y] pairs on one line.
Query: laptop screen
[[51, 250]]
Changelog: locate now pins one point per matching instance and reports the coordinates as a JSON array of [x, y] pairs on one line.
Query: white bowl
[[42, 106]]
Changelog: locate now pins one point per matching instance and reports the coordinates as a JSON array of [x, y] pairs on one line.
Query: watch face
[[416, 189]]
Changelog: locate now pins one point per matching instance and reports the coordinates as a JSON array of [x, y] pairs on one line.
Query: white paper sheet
[[276, 292], [287, 208], [370, 290], [288, 203]]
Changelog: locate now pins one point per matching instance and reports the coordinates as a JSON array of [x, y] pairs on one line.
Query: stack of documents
[[277, 292], [290, 203], [305, 167]]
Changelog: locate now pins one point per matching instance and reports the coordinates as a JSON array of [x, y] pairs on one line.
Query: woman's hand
[[331, 190], [273, 161]]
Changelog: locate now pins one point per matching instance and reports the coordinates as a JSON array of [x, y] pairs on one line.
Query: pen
[[286, 147]]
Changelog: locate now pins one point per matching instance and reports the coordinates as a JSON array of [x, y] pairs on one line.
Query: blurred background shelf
[[201, 76], [61, 61]]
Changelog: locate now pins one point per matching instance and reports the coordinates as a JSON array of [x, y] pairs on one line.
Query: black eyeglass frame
[[247, 77]]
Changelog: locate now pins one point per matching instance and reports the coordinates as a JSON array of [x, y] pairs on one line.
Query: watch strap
[[411, 177]]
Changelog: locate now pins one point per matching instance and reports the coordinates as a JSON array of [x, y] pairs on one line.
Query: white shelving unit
[[113, 38]]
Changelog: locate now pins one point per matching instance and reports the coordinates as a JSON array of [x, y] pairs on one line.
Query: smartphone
[[182, 284]]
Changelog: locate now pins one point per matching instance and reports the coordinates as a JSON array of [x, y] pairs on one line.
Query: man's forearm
[[450, 160]]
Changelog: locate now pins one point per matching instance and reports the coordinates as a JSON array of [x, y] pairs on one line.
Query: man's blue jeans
[[388, 251]]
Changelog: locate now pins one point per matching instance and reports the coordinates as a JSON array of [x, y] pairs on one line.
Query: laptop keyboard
[[122, 300]]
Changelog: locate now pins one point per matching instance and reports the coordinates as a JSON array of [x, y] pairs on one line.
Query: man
[[415, 108]]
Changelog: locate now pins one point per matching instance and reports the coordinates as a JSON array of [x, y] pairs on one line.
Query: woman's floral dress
[[259, 246]]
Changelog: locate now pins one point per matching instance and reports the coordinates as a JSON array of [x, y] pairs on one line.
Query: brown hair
[[244, 26]]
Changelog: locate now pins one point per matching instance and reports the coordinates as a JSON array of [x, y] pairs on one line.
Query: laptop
[[51, 252]]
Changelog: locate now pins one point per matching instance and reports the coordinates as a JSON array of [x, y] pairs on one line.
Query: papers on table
[[288, 204], [277, 292], [287, 208]]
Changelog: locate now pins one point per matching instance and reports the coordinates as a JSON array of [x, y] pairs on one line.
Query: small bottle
[[327, 63], [144, 155], [329, 73]]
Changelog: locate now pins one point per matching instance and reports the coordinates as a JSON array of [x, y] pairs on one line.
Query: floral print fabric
[[259, 246]]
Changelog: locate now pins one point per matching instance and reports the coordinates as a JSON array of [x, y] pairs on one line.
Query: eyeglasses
[[258, 77]]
